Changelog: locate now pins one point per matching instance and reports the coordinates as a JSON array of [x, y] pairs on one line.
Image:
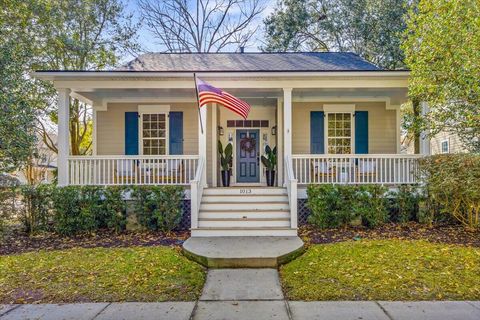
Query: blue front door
[[248, 162]]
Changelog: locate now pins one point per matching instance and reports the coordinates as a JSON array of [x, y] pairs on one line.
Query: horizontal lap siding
[[381, 126], [111, 127]]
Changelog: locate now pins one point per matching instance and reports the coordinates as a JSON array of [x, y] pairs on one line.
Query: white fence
[[132, 170], [356, 169]]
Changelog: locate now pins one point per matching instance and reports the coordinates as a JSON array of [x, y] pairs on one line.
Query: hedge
[[76, 209]]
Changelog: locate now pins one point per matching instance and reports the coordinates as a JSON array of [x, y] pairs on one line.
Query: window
[[154, 133], [445, 146], [339, 133]]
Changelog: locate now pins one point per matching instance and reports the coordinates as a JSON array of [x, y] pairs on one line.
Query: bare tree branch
[[201, 25]]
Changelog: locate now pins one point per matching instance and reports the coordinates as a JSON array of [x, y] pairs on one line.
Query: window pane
[[161, 143], [146, 117], [161, 117]]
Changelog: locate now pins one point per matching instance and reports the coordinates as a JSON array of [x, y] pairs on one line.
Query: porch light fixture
[[221, 132], [274, 130]]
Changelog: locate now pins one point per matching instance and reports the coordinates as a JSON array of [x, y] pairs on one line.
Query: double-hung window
[[445, 146], [154, 133], [339, 132]]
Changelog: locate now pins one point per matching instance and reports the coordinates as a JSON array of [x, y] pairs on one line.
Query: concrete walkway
[[253, 294]]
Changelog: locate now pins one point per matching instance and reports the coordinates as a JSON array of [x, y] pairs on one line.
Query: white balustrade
[[389, 169], [132, 170], [291, 184]]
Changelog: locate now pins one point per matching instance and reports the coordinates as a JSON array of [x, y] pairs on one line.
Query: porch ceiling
[[102, 96]]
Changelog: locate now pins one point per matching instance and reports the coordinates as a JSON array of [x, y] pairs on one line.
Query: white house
[[334, 117]]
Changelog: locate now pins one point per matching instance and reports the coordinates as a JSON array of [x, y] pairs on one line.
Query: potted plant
[[270, 161], [226, 162]]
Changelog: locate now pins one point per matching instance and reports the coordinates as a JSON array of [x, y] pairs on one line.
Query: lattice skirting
[[302, 211], [185, 221]]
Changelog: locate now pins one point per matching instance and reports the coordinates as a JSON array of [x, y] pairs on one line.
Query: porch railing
[[132, 170], [196, 192], [356, 169], [291, 184]]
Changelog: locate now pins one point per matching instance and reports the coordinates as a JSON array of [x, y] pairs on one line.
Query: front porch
[[337, 128]]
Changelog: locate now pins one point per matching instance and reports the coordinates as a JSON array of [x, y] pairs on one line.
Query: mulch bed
[[440, 233], [18, 242]]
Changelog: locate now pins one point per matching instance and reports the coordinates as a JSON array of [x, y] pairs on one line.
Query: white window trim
[[167, 126], [154, 108], [352, 126], [448, 146], [339, 108]]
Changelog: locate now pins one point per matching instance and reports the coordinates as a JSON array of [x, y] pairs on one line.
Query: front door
[[248, 161]]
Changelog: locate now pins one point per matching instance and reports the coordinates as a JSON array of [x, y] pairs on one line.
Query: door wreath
[[248, 144]]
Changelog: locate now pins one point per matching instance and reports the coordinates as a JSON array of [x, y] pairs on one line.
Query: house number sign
[[245, 191]]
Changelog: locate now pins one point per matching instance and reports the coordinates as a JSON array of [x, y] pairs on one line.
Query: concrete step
[[243, 223], [244, 232], [244, 214], [245, 191], [244, 198], [243, 252], [238, 205]]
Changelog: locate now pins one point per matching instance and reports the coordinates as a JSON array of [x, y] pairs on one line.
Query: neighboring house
[[42, 168], [334, 117], [446, 143], [441, 143]]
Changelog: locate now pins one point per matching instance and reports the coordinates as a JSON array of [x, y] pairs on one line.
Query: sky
[[148, 40]]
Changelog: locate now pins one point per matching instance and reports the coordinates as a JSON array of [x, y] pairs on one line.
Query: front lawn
[[384, 270], [100, 274]]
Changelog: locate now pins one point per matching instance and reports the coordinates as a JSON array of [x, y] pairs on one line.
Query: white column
[[63, 135], [202, 140], [214, 144], [424, 138], [281, 156], [94, 133], [287, 123]]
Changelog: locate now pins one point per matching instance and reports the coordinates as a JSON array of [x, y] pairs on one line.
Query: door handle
[[258, 161]]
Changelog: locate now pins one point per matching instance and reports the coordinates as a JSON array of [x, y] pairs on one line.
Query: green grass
[[384, 270], [100, 274]]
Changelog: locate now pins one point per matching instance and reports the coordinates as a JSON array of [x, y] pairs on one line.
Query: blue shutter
[[176, 133], [361, 132], [131, 133], [317, 142]]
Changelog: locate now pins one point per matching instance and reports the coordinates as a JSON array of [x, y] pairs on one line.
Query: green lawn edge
[[142, 274], [384, 270]]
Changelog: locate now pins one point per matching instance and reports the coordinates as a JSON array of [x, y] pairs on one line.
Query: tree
[[20, 95], [18, 100], [201, 25], [371, 28], [71, 35], [442, 48]]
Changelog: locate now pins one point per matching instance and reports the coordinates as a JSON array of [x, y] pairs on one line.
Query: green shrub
[[158, 207], [452, 182], [404, 204], [35, 212], [338, 205], [370, 204], [114, 209], [88, 208], [8, 197], [327, 206], [75, 209]]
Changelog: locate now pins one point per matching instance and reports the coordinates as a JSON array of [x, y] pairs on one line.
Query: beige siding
[[454, 142], [382, 131], [111, 127]]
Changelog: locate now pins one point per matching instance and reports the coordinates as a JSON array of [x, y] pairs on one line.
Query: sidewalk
[[253, 294]]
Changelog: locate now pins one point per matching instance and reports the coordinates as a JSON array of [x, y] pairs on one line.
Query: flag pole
[[198, 101]]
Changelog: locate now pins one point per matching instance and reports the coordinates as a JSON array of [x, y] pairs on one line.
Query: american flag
[[208, 93]]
